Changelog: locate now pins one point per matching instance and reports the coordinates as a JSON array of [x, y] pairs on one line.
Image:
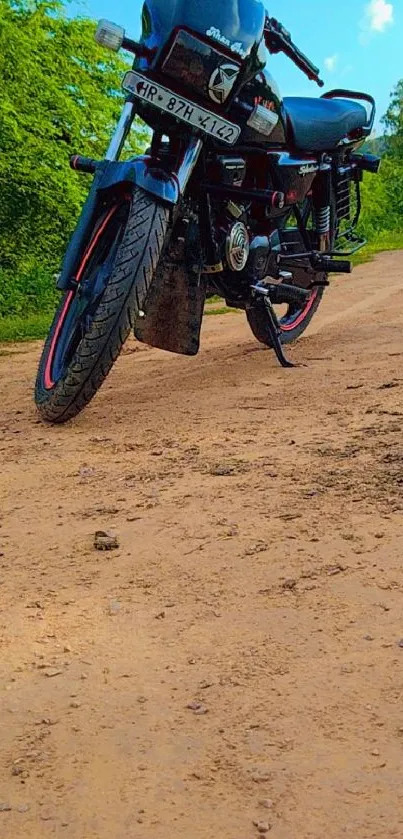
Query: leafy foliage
[[393, 121], [60, 95], [382, 196]]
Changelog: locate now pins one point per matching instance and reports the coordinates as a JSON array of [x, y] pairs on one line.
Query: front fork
[[167, 187], [80, 236]]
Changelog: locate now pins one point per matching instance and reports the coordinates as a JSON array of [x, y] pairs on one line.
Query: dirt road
[[239, 658]]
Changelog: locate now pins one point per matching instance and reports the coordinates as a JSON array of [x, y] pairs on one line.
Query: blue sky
[[357, 43]]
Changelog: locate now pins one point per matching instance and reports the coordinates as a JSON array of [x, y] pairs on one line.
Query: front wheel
[[93, 320]]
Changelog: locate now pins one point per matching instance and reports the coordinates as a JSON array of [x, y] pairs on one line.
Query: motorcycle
[[242, 194]]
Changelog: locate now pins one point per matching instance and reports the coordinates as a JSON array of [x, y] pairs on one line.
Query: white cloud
[[378, 15], [331, 63]]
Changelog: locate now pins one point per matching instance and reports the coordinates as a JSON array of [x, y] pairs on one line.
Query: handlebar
[[278, 39]]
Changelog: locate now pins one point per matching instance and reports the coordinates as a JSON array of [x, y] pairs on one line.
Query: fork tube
[[85, 223], [121, 132]]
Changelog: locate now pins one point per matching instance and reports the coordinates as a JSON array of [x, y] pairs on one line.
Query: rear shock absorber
[[321, 203]]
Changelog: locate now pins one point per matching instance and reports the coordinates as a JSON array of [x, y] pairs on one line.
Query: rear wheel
[[94, 320], [292, 323], [293, 319]]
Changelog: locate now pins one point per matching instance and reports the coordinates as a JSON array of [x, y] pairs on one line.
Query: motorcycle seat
[[320, 124]]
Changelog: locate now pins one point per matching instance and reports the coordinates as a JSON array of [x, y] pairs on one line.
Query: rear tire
[[140, 248], [257, 319]]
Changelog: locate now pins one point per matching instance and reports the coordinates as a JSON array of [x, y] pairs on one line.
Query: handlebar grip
[[83, 164], [278, 39]]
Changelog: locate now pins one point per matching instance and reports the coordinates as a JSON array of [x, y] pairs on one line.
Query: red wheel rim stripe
[[48, 381], [289, 326]]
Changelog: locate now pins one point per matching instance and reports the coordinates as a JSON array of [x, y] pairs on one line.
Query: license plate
[[182, 109]]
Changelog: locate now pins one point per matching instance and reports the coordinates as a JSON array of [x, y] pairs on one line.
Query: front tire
[[83, 343]]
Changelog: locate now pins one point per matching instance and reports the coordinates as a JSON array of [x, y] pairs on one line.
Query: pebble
[[289, 585], [375, 752], [262, 827], [221, 470], [47, 815], [400, 643], [104, 541], [267, 803], [260, 775], [23, 808], [197, 707], [4, 808], [114, 607], [51, 672]]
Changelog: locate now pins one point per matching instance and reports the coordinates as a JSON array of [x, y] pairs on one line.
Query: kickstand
[[274, 330]]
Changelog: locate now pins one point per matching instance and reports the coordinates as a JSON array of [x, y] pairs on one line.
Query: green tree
[[60, 94], [393, 121]]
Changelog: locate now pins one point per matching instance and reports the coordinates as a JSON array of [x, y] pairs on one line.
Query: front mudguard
[[145, 172]]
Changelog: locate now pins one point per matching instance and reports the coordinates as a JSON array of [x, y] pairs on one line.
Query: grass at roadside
[[35, 325], [29, 328], [385, 242]]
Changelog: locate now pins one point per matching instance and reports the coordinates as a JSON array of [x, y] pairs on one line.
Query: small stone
[[105, 541], [205, 684], [160, 616], [260, 775], [335, 569], [51, 672], [114, 607], [262, 827], [17, 770], [368, 638], [400, 643], [67, 648], [267, 803], [4, 808], [197, 707], [221, 470], [75, 704], [23, 808], [47, 815], [289, 585], [375, 752]]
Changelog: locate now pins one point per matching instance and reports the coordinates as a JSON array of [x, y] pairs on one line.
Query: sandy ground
[[239, 658]]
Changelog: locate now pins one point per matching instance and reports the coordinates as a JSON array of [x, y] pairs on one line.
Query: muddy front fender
[[146, 172]]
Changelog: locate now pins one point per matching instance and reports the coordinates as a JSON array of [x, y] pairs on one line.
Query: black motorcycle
[[242, 194]]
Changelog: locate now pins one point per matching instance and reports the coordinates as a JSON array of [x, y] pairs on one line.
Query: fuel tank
[[235, 24]]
